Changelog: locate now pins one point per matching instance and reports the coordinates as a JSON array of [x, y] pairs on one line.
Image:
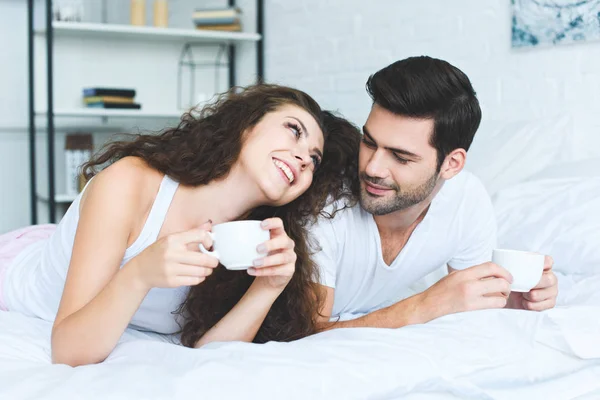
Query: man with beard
[[418, 211]]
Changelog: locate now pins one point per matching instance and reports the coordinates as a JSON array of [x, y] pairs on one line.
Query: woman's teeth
[[286, 170]]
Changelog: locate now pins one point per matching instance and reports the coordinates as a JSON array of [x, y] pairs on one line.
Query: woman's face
[[282, 152]]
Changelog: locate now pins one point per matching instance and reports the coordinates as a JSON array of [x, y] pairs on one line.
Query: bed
[[492, 354]]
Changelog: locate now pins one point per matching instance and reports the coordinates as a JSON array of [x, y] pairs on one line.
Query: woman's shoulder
[[129, 179]]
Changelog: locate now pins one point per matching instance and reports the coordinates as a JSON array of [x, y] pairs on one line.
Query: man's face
[[397, 164]]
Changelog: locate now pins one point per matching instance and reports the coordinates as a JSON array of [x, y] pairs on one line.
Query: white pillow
[[576, 169], [558, 217], [506, 154]]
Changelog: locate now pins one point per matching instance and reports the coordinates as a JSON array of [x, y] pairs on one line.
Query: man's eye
[[368, 143], [400, 159]]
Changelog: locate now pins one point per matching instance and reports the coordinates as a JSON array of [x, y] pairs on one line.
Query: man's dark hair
[[425, 87]]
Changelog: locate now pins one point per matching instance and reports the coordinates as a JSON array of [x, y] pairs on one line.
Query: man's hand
[[542, 297], [480, 287]]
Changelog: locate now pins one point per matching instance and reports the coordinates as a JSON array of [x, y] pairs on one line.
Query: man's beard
[[401, 201]]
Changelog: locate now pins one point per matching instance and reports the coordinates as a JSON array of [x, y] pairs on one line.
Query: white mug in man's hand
[[525, 267], [235, 243]]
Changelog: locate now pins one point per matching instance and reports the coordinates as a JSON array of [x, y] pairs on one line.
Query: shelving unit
[[126, 32], [110, 113], [56, 30]]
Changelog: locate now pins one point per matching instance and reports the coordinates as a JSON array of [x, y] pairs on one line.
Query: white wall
[[149, 67], [329, 48]]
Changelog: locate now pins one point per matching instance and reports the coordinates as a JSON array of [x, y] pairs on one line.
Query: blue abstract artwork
[[551, 22]]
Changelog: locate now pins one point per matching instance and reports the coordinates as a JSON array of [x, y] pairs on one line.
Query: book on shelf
[[232, 28], [105, 91], [131, 106], [78, 150], [107, 99], [215, 21], [227, 12]]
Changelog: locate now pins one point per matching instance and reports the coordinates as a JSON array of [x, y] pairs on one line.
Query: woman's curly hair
[[203, 148]]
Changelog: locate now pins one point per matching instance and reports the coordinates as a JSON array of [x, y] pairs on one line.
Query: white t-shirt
[[459, 229]]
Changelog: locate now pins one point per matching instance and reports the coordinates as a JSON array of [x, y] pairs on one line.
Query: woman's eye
[[295, 129], [316, 162]]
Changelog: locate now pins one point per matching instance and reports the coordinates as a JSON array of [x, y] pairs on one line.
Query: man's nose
[[376, 166]]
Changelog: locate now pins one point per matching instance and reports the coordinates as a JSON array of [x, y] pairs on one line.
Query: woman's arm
[[245, 318], [272, 276], [99, 299]]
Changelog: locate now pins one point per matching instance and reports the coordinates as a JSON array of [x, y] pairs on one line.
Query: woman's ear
[[453, 164]]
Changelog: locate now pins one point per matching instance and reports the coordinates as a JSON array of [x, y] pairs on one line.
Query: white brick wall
[[329, 48]]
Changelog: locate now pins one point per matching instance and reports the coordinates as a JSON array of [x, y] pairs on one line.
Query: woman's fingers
[[189, 280], [286, 270], [277, 243], [197, 259], [275, 225], [282, 258], [193, 271]]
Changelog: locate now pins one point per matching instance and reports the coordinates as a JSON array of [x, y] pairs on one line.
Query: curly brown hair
[[203, 148]]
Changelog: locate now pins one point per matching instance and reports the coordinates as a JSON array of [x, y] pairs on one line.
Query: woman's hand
[[175, 260], [276, 269]]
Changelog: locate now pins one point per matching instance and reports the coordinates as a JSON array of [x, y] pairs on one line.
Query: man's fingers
[[548, 263], [548, 279], [488, 302], [489, 270], [494, 286], [538, 306], [539, 295]]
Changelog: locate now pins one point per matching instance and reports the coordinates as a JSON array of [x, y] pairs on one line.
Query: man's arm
[[476, 288], [398, 315]]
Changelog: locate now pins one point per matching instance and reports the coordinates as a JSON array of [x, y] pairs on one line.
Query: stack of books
[[110, 98], [218, 19]]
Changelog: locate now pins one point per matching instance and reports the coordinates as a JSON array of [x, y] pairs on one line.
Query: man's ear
[[453, 164]]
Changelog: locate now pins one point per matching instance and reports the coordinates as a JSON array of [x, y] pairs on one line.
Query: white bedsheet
[[493, 354]]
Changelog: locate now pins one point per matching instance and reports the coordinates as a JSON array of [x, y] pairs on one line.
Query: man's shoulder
[[465, 187], [341, 214]]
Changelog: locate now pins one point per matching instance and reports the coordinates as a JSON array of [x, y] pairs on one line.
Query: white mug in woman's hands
[[236, 243]]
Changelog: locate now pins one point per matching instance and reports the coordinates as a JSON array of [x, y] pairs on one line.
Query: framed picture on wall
[[552, 22]]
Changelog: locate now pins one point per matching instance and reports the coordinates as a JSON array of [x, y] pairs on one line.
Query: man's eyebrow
[[392, 149]]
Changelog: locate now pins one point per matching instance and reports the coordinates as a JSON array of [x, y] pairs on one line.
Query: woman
[[294, 313], [126, 252]]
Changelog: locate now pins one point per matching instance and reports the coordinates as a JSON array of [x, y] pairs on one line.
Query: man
[[418, 210]]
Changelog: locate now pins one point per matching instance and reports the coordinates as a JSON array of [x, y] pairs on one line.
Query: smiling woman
[[127, 251]]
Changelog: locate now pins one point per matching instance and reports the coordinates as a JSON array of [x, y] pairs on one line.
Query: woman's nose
[[302, 160]]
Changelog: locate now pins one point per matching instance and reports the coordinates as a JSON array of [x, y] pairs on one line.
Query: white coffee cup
[[525, 267], [235, 243]]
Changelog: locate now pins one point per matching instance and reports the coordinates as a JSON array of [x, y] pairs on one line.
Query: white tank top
[[35, 280]]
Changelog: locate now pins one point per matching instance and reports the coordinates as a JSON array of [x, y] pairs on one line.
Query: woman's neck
[[228, 199]]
